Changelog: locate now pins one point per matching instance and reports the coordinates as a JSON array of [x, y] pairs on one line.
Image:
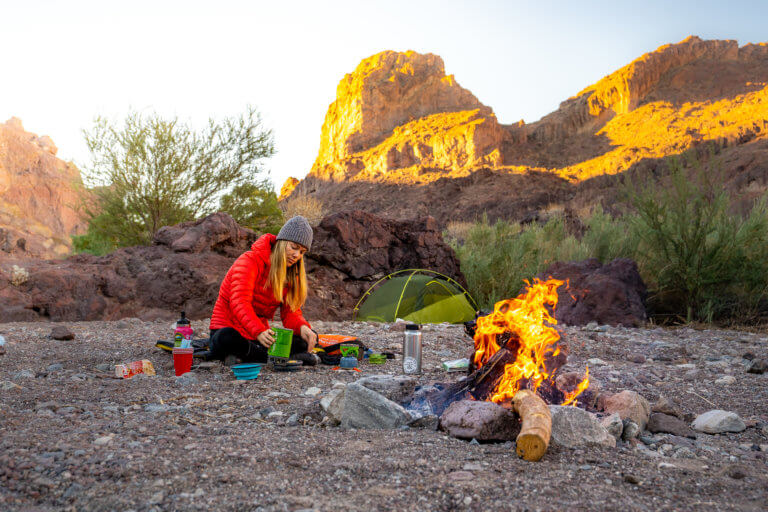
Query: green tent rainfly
[[415, 295]]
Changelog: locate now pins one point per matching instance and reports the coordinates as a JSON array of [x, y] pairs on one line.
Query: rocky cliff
[[400, 126], [39, 195]]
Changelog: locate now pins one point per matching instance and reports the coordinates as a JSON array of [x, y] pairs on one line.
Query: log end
[[531, 447]]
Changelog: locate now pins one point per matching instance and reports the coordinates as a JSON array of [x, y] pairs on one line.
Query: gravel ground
[[74, 438]]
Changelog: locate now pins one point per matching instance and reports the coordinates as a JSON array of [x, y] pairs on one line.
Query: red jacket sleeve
[[292, 320], [244, 279]]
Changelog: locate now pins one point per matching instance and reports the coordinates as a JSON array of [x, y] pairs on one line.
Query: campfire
[[516, 363]]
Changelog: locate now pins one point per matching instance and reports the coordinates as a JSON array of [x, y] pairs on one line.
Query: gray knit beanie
[[298, 230]]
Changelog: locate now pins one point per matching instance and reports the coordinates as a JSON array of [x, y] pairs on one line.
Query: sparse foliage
[[151, 172]]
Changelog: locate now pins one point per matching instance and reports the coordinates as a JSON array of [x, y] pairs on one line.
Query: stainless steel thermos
[[412, 349]]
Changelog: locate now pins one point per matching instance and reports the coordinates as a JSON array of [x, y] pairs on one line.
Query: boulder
[[367, 409], [613, 425], [718, 421], [573, 427], [484, 421], [182, 270], [612, 294], [62, 332], [395, 387], [629, 405], [758, 366], [659, 422], [665, 406]]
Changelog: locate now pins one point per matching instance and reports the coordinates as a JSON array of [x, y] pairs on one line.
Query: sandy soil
[[74, 438]]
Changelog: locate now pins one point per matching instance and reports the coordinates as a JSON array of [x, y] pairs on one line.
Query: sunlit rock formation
[[39, 195]]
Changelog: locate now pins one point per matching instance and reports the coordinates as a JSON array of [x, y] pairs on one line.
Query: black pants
[[226, 341]]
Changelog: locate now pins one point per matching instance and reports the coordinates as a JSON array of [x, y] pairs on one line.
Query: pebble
[[596, 362], [278, 394], [101, 441], [313, 391], [726, 380], [24, 374], [758, 366], [8, 385], [636, 358], [293, 420], [55, 367]]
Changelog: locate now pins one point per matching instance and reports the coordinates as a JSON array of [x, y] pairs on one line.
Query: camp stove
[[284, 364]]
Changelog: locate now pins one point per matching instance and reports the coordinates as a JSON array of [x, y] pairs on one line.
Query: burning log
[[478, 385], [533, 440]]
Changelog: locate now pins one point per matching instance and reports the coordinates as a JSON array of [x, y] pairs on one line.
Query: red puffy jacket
[[245, 300]]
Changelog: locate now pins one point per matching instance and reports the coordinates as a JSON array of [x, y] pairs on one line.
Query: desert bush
[[304, 205], [254, 205], [702, 262], [149, 172]]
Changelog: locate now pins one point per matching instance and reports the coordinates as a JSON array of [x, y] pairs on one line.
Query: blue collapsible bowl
[[246, 371]]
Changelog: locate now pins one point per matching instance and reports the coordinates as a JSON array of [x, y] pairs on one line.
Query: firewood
[[536, 430]]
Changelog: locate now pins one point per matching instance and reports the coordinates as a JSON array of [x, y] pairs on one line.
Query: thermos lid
[[412, 327], [183, 320]]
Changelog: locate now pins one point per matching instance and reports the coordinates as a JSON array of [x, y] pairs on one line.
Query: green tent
[[416, 295]]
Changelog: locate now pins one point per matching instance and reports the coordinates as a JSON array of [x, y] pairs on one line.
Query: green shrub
[[702, 262]]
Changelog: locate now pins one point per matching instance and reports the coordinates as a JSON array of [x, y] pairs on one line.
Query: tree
[[153, 172], [254, 205]]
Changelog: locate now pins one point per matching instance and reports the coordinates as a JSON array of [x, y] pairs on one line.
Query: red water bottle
[[182, 332]]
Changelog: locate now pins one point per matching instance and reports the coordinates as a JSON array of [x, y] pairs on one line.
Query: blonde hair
[[280, 275]]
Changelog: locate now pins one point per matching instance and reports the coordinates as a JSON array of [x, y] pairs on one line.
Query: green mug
[[282, 345]]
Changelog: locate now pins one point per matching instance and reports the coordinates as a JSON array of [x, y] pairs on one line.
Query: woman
[[269, 276]]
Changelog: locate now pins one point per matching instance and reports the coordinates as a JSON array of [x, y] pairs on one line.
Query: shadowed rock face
[[39, 195], [612, 294], [399, 121], [184, 267]]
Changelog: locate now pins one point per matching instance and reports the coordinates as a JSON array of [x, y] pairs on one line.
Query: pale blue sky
[[64, 62]]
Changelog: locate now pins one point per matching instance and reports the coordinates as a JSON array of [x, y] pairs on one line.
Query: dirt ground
[[74, 438]]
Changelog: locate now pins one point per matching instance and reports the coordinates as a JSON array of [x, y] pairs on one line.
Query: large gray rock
[[660, 422], [395, 387], [718, 421], [484, 421], [629, 406], [367, 409], [572, 427]]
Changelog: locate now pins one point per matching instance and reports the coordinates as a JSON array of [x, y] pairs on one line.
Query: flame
[[528, 319], [570, 398]]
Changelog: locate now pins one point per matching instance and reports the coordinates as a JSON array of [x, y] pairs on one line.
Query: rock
[[7, 385], [665, 406], [612, 294], [596, 362], [292, 420], [312, 391], [101, 441], [429, 422], [184, 380], [61, 332], [23, 374], [377, 124], [758, 366], [725, 380], [692, 375], [335, 408], [631, 430], [629, 405], [367, 409], [659, 422], [718, 421], [613, 425], [573, 427], [326, 401], [105, 367], [395, 387], [55, 367], [484, 421], [279, 394], [636, 358], [155, 408]]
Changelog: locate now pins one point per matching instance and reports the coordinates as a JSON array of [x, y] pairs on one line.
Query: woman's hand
[[310, 337], [266, 338]]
